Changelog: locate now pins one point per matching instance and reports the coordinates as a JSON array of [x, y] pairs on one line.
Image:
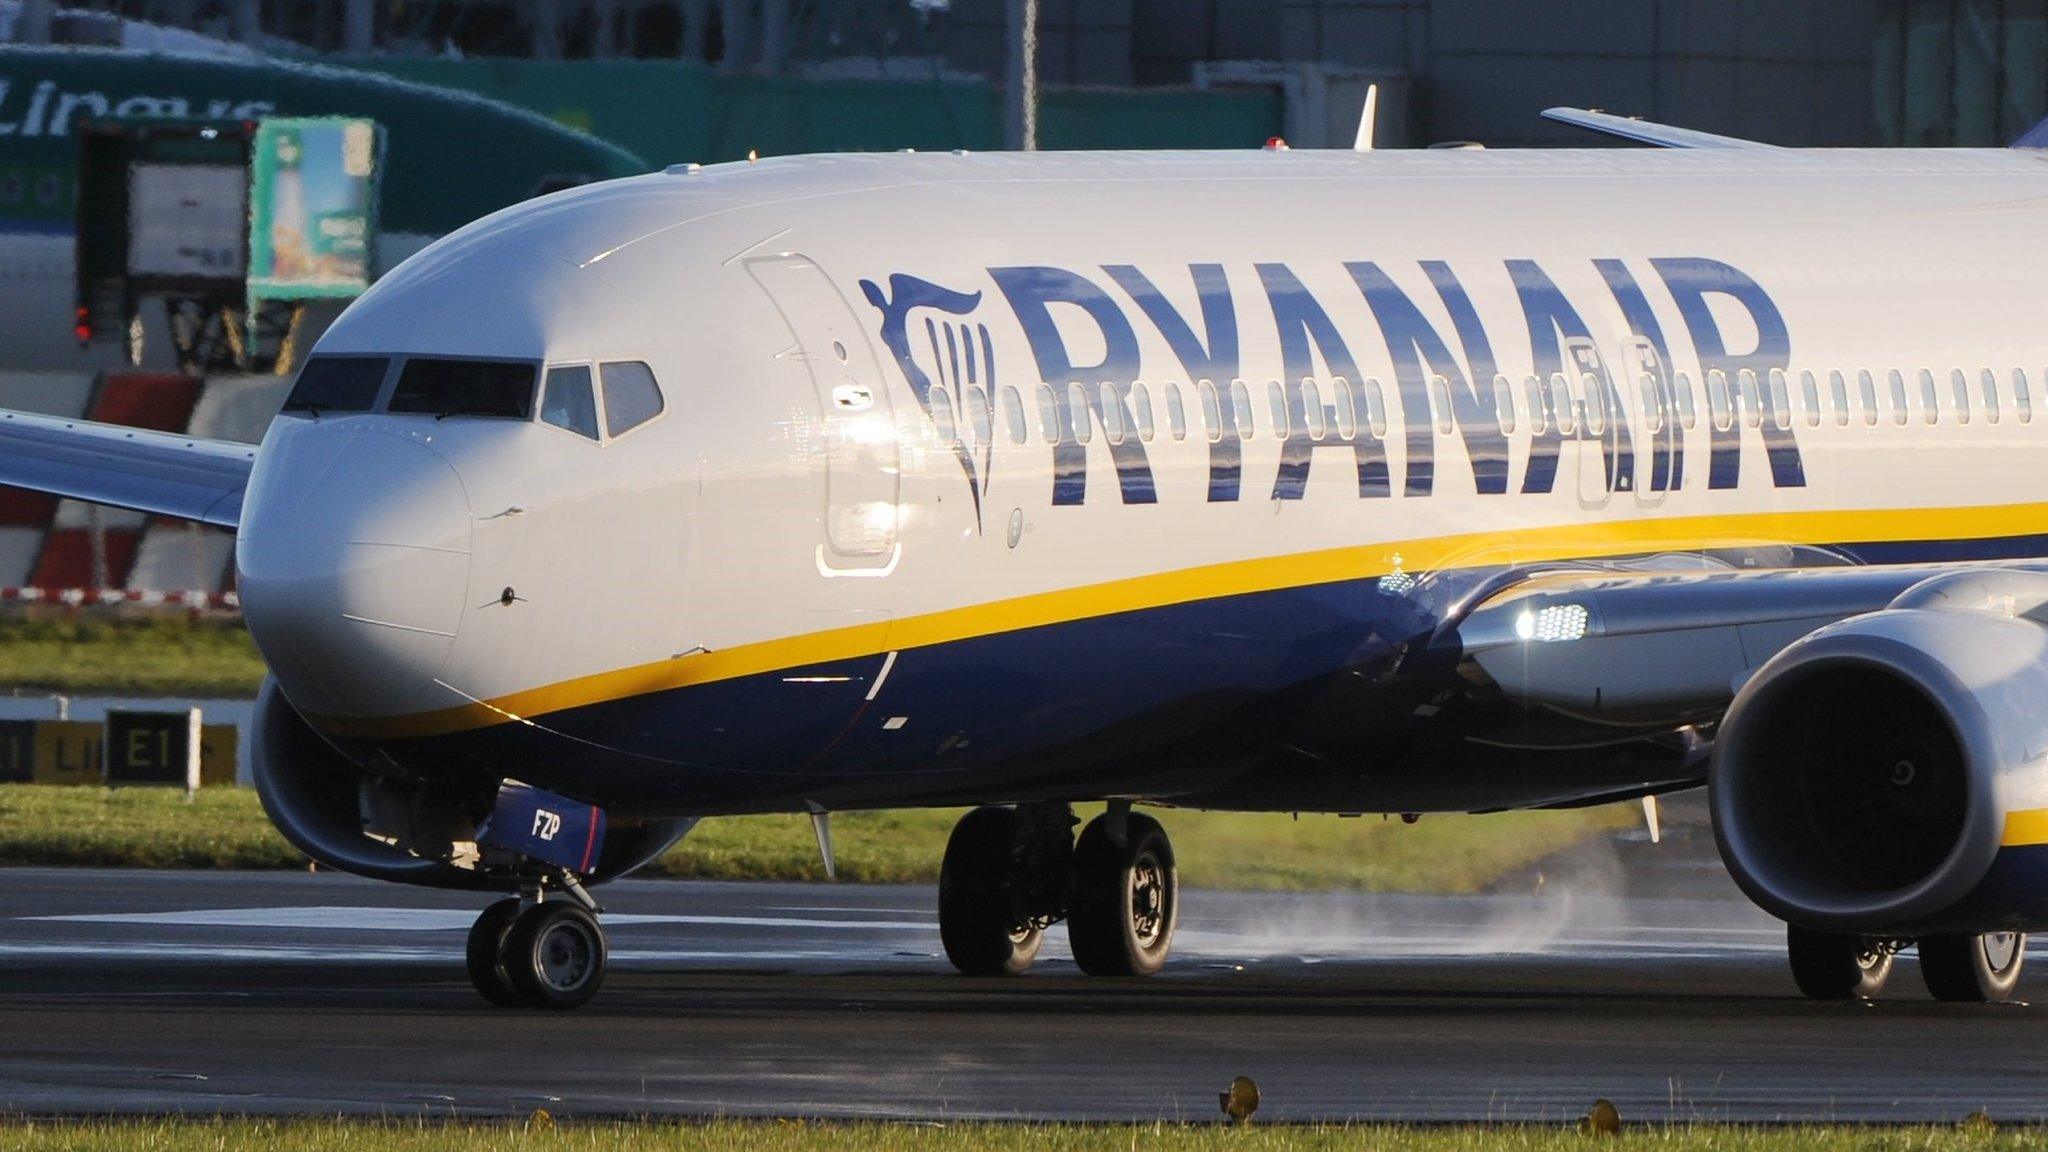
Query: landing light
[[1554, 622]]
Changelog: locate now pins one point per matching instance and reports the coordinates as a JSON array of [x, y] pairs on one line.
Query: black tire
[[1969, 968], [555, 955], [1836, 965], [1125, 900], [485, 953], [977, 918]]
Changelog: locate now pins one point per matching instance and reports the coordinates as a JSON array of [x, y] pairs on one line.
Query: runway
[[1625, 971]]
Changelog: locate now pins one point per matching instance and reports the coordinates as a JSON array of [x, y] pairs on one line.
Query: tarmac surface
[[1622, 970]]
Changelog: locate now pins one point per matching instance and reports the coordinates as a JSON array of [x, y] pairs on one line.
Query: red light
[[84, 334], [1275, 144]]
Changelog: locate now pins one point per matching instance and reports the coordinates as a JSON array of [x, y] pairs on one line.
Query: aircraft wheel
[[1967, 968], [485, 953], [978, 922], [1836, 965], [555, 955], [1126, 898]]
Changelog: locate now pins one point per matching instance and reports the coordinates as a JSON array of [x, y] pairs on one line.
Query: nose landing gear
[[538, 953], [1010, 873]]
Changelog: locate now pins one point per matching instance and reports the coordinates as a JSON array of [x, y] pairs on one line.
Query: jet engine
[[388, 828], [1888, 773]]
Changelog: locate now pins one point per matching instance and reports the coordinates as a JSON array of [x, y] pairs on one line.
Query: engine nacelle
[[1888, 774], [322, 802]]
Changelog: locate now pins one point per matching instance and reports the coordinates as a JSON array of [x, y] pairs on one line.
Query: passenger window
[[1838, 392], [1539, 405], [568, 402], [1112, 413], [1717, 400], [1899, 406], [1653, 412], [338, 384], [1440, 397], [1212, 411], [1141, 402], [1176, 414], [1688, 410], [1563, 406], [1866, 388], [1594, 417], [1809, 395], [631, 397], [1077, 413], [1959, 388], [1504, 404], [1987, 382], [1241, 408], [1930, 397], [977, 413], [942, 416], [1375, 407], [1312, 410], [1779, 397], [494, 388], [1013, 414], [1749, 397], [1048, 415], [2022, 399], [1276, 405], [1347, 408]]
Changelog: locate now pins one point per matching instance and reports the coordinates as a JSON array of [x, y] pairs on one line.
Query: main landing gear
[[535, 952], [1956, 967], [1010, 873]]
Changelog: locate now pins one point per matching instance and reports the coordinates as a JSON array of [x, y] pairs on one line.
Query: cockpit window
[[465, 388], [631, 397], [338, 384], [567, 402]]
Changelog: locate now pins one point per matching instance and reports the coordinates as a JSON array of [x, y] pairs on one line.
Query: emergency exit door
[[862, 468]]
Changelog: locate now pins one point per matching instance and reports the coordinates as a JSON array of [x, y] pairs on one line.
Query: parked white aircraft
[[1405, 482]]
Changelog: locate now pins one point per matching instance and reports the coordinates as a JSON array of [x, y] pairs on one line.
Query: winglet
[[1645, 131]]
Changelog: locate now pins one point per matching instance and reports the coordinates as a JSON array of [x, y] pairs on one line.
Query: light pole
[[1021, 90]]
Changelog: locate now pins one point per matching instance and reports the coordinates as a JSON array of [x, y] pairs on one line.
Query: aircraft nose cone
[[355, 573]]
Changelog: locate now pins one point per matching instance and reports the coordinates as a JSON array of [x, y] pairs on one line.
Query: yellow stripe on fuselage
[[2025, 828], [1213, 581]]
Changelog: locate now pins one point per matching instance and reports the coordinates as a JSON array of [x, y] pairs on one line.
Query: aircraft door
[[863, 467], [1656, 421], [1603, 439]]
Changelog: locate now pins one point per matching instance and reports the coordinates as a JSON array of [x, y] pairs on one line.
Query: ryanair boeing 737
[[1275, 481]]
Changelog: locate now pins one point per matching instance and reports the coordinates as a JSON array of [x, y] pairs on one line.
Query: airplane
[[1405, 482]]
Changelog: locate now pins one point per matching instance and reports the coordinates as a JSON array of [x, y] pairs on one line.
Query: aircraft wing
[[159, 472], [1627, 646], [1646, 131]]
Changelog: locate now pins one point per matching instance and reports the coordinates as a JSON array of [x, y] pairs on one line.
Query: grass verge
[[793, 1136], [226, 828], [156, 655]]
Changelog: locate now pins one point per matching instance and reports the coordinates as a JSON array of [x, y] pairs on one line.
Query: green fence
[[671, 111]]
